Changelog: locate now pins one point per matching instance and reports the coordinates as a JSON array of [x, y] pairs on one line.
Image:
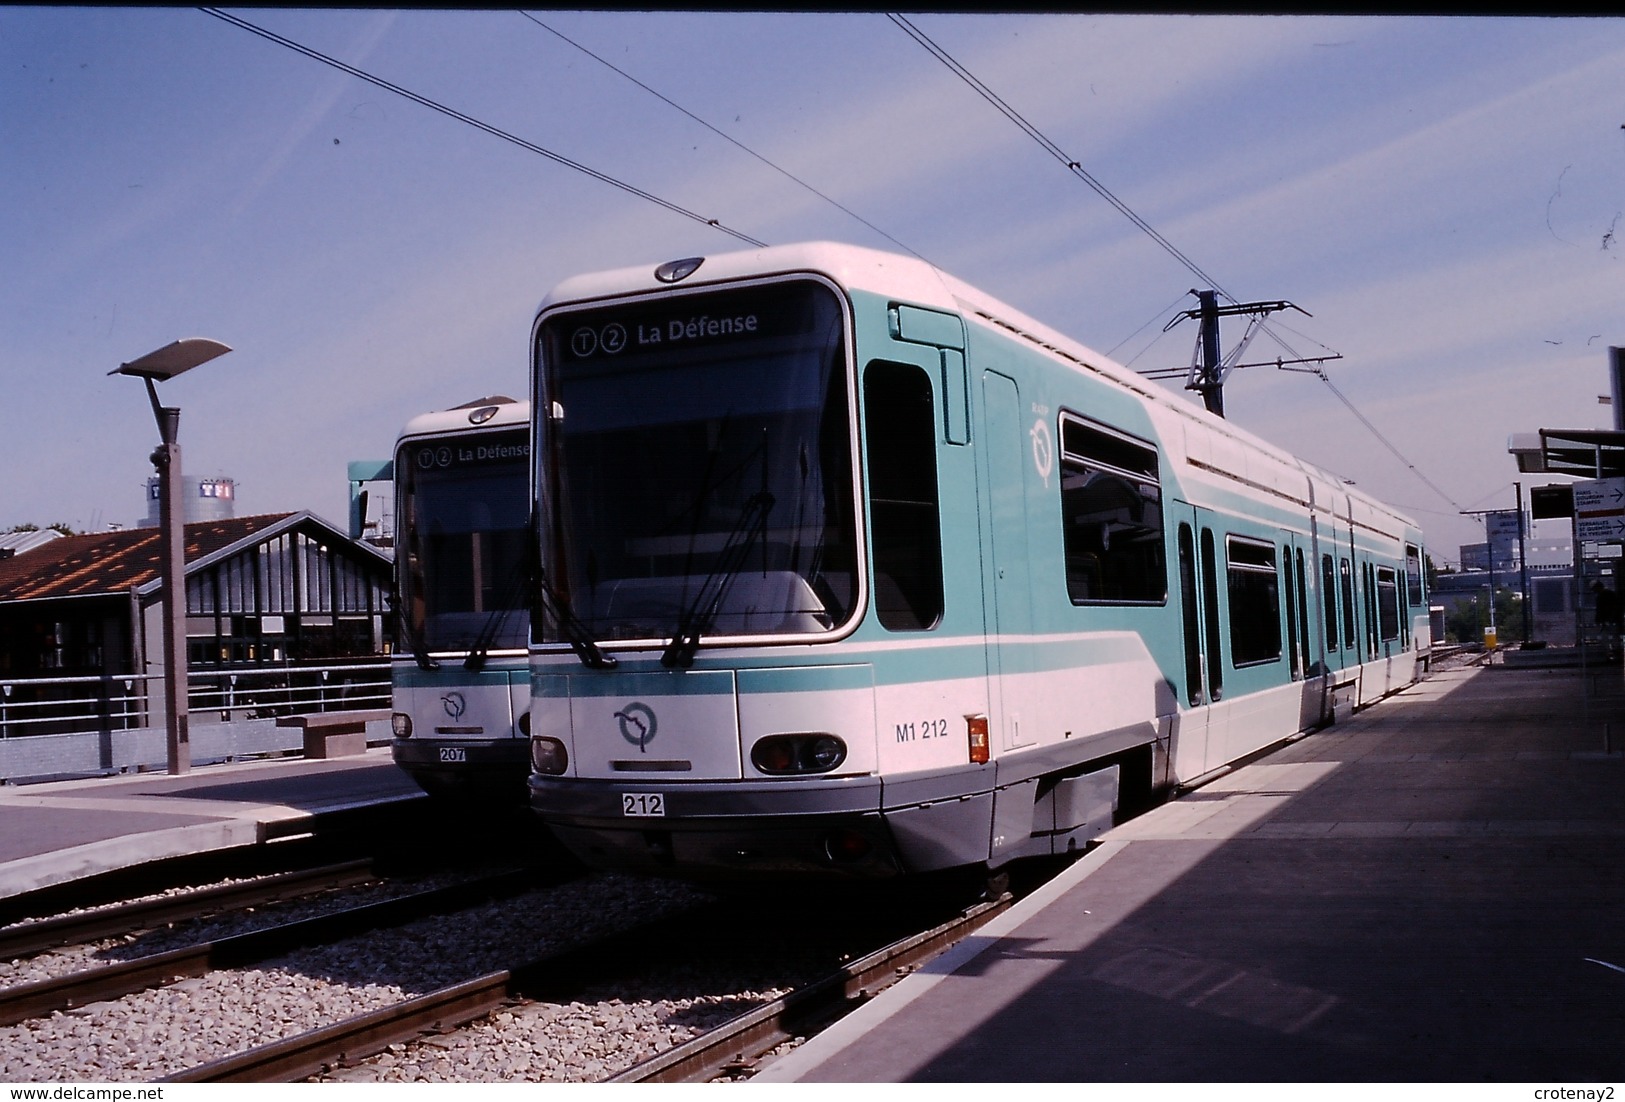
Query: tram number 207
[[453, 754], [643, 805]]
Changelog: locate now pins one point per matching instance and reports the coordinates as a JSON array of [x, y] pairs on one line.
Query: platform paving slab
[[1431, 891], [61, 831]]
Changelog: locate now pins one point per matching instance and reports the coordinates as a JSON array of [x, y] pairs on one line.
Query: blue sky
[[1445, 196]]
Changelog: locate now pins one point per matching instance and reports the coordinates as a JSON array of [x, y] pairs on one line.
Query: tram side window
[[904, 508], [1388, 602], [1347, 572], [1291, 614], [1328, 593], [1368, 584], [1210, 617], [1413, 575], [1255, 602], [1111, 516], [1303, 610], [1193, 629]]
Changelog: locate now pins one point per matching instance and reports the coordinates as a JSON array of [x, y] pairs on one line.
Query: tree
[[61, 527], [1466, 621]]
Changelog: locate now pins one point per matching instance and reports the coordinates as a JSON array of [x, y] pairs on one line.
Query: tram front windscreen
[[699, 464], [463, 514]]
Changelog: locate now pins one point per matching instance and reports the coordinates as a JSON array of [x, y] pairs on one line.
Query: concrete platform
[[1433, 891], [61, 831]]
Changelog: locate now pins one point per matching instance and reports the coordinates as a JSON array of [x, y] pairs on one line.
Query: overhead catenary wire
[[1077, 169], [786, 173], [1341, 397], [450, 112], [1269, 330], [1072, 164], [1472, 507], [1158, 316], [1320, 373]]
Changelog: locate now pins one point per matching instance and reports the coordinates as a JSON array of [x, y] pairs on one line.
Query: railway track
[[563, 975], [119, 920], [113, 981], [163, 1028], [567, 974], [552, 976], [735, 1049]]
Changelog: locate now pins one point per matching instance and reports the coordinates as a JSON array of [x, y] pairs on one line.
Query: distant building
[[202, 499], [260, 591], [1557, 608], [1474, 556]]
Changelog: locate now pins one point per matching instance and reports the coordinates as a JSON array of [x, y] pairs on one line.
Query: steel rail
[[113, 981], [559, 975], [29, 938], [552, 976], [734, 1046], [318, 1050]]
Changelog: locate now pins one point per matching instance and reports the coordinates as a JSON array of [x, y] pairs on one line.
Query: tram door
[[1201, 640], [1011, 451]]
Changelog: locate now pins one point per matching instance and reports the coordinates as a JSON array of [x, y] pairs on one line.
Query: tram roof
[[469, 416], [924, 284]]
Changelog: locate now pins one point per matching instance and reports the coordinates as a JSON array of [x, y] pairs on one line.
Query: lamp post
[[155, 367]]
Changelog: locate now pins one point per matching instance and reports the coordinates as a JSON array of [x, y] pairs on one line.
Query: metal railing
[[119, 702]]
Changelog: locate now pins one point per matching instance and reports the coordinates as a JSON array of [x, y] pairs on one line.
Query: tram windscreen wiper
[[512, 597], [420, 652], [574, 631], [698, 617]]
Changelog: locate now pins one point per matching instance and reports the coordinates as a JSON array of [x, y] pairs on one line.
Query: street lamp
[[166, 363]]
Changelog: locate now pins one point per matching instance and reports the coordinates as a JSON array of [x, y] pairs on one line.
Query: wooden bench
[[334, 734]]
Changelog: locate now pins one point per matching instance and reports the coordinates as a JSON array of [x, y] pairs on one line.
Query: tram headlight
[[401, 724], [825, 752], [789, 755], [548, 755]]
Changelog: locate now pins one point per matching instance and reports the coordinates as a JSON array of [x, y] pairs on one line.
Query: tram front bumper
[[478, 769], [833, 827]]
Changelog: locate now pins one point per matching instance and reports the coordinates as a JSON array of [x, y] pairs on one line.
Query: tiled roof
[[112, 562]]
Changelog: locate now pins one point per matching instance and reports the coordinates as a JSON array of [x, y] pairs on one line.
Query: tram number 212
[[643, 805]]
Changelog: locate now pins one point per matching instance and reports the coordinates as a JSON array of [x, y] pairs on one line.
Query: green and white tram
[[461, 682], [860, 571]]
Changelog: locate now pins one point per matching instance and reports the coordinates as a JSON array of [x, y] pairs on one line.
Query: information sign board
[[1502, 531], [1599, 510]]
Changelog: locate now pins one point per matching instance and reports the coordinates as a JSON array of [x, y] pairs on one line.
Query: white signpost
[[1599, 510]]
